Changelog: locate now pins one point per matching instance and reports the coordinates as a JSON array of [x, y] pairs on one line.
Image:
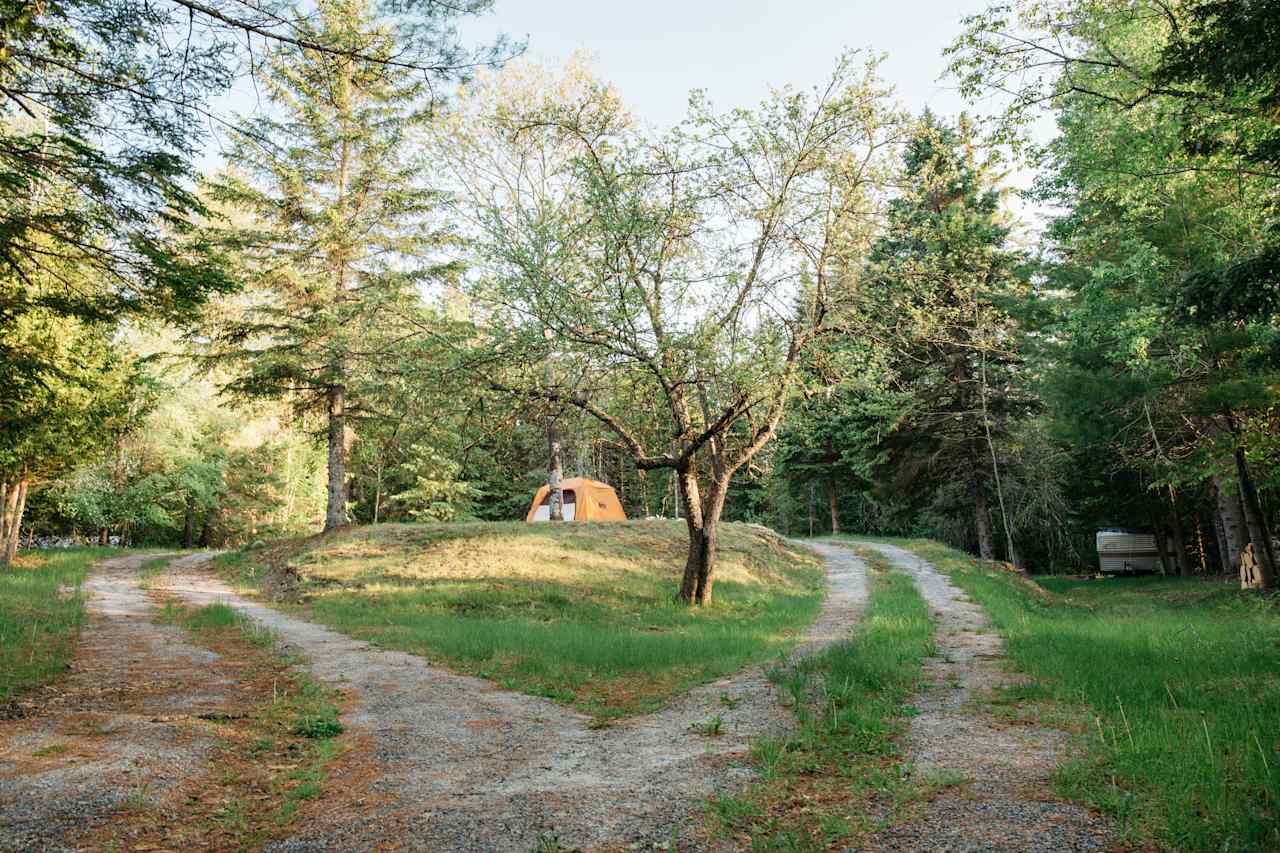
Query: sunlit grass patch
[[581, 613], [41, 609], [1180, 682]]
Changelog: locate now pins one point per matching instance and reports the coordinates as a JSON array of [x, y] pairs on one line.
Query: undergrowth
[[818, 784]]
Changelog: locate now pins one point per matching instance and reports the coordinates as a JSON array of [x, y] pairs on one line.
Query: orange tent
[[584, 500]]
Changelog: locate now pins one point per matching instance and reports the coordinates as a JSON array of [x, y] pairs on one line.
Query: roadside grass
[[41, 609], [581, 613], [272, 755], [840, 776], [1181, 679]]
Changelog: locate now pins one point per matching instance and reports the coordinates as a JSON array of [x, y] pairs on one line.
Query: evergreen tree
[[341, 226], [944, 267]]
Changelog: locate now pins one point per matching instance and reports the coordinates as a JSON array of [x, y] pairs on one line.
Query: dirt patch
[[472, 767], [993, 777]]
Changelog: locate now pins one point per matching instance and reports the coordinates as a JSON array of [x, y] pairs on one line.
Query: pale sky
[[657, 50]]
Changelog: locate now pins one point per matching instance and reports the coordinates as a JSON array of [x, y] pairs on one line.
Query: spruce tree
[[945, 268], [340, 226]]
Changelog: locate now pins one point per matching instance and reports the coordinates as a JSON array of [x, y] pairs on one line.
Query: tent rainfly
[[584, 500]]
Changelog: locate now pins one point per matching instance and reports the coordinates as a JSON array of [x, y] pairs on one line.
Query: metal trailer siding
[[1121, 551]]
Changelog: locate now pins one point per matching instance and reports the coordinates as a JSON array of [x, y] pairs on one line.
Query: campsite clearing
[[580, 613]]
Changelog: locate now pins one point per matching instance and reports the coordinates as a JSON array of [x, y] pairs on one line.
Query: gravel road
[[122, 726], [1005, 802], [469, 766]]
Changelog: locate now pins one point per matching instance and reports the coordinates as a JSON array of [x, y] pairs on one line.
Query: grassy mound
[[582, 613]]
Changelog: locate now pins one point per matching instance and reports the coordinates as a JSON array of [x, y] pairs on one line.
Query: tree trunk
[[835, 515], [335, 514], [982, 520], [1162, 548], [1220, 536], [15, 524], [555, 474], [1181, 560], [104, 537], [702, 519], [1231, 517], [8, 509], [189, 525], [1256, 522]]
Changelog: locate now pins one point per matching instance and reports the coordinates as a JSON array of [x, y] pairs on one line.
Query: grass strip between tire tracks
[[272, 755], [841, 774]]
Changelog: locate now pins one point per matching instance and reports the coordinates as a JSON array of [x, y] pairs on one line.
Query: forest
[[425, 272]]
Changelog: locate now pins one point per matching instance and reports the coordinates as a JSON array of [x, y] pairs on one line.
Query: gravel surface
[[1005, 802], [117, 728], [470, 766]]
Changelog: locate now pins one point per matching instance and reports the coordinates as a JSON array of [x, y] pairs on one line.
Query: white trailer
[[1122, 551]]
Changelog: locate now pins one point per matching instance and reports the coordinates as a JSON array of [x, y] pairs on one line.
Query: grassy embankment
[[840, 775], [1181, 682], [40, 613], [581, 613]]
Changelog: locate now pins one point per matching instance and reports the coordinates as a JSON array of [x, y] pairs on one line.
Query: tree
[[341, 231], [671, 265], [1165, 163], [944, 265], [52, 424], [105, 106]]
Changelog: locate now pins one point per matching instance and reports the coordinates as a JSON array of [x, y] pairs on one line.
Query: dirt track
[[1002, 799], [463, 764]]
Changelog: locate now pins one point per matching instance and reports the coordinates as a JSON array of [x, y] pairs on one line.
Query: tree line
[[422, 266]]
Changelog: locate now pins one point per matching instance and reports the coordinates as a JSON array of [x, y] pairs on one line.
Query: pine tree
[[944, 265], [340, 231]]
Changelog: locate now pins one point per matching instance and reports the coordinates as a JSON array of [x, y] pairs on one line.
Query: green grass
[[1180, 679], [581, 613], [817, 784], [40, 613]]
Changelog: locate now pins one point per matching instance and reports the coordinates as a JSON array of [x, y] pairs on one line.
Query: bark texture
[[335, 514], [982, 520], [1231, 516], [1256, 522]]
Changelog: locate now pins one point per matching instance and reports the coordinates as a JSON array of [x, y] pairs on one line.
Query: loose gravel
[[469, 766], [117, 730], [1005, 802]]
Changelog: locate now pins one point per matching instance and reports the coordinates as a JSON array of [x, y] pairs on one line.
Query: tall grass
[[817, 784], [40, 613], [1181, 679], [515, 604]]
